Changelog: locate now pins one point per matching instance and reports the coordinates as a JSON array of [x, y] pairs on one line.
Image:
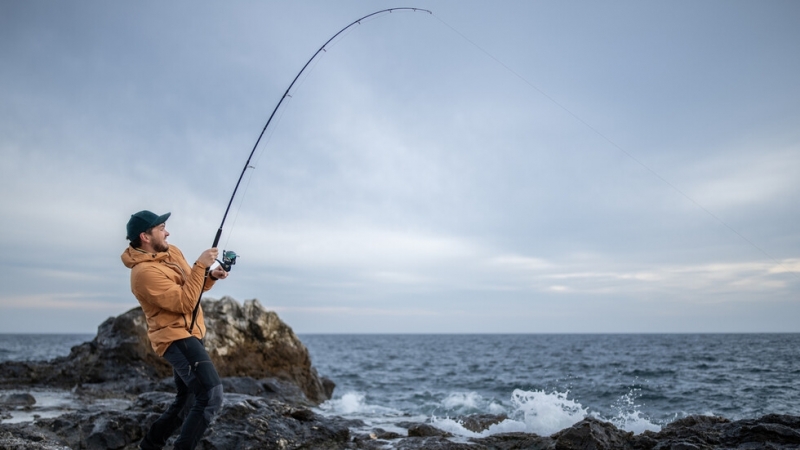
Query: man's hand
[[219, 273], [208, 257]]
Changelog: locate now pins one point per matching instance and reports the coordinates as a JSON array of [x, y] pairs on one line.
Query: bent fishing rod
[[229, 257]]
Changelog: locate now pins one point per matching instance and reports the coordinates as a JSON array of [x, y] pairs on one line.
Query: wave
[[539, 412]]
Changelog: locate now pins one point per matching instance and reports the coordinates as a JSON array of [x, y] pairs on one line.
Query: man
[[168, 290]]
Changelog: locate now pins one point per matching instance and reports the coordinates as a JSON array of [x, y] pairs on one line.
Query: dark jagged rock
[[432, 443], [254, 422], [515, 441], [688, 432], [480, 422], [380, 433], [425, 430], [244, 422], [257, 422], [592, 434], [243, 341], [27, 437], [773, 431], [17, 400]]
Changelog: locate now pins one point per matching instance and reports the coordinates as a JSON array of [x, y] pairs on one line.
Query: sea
[[541, 383]]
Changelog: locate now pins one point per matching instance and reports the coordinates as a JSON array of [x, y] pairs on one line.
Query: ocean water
[[38, 347], [543, 383]]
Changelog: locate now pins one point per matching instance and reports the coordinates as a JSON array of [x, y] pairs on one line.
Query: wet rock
[[380, 433], [244, 422], [776, 429], [480, 422], [514, 441], [433, 443], [592, 434], [776, 432], [255, 422], [426, 430], [96, 430], [17, 400], [268, 387], [24, 437]]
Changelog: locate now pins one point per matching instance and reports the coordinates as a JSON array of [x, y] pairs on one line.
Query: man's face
[[158, 238]]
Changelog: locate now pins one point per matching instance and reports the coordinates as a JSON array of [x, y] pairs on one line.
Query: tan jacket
[[168, 289]]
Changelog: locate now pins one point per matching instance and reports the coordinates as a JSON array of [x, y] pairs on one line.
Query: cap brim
[[160, 219]]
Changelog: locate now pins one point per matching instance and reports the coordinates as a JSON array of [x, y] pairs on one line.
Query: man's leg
[[204, 382], [173, 417]]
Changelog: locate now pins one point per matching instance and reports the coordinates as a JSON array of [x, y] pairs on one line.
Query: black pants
[[198, 400]]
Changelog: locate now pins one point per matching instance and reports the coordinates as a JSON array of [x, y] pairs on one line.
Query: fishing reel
[[228, 259]]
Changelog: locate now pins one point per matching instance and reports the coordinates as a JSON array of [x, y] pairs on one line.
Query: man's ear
[[144, 237]]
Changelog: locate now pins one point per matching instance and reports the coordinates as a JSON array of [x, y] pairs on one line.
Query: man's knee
[[214, 403]]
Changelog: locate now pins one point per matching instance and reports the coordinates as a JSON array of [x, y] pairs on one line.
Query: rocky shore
[[119, 387]]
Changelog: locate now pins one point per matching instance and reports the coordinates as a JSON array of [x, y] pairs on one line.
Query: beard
[[160, 246]]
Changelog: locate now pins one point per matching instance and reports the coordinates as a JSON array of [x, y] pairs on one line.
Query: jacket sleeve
[[209, 283], [155, 287]]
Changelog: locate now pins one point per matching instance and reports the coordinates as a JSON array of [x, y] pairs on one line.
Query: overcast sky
[[496, 167]]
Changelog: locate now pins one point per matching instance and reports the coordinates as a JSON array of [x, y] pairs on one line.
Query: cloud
[[408, 166], [80, 301], [738, 179], [351, 311]]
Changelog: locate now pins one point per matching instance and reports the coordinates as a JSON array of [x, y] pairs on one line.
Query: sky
[[492, 167]]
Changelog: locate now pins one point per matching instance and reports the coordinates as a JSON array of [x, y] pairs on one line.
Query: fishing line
[[286, 94], [615, 145], [227, 261], [306, 73], [253, 165]]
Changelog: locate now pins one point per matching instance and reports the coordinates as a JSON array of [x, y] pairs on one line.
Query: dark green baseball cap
[[143, 221]]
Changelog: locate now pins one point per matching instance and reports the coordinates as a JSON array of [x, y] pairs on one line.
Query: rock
[[17, 400], [426, 430], [25, 437], [380, 433], [268, 387], [253, 342], [592, 434], [776, 429], [433, 443], [255, 422], [243, 341], [513, 441], [480, 422], [776, 432], [244, 422]]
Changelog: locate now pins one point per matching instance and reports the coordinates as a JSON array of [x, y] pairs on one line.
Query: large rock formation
[[250, 341], [243, 341]]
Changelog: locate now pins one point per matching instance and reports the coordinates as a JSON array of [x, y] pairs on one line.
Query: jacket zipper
[[183, 281]]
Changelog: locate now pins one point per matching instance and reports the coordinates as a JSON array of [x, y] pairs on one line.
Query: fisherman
[[168, 290]]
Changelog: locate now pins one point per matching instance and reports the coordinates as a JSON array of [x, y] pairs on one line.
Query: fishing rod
[[229, 257]]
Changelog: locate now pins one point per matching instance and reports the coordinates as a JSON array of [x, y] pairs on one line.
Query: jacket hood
[[133, 256]]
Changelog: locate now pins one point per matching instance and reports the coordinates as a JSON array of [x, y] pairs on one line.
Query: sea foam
[[355, 404], [539, 412]]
